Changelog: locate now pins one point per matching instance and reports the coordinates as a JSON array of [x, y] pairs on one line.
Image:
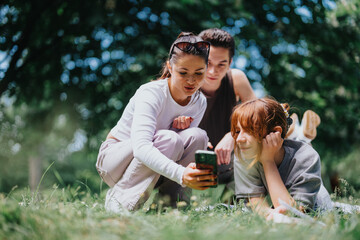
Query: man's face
[[219, 64]]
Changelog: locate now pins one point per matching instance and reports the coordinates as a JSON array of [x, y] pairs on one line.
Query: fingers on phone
[[201, 172], [192, 165], [210, 177]]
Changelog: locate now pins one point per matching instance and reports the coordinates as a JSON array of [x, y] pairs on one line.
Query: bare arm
[[224, 148], [276, 186], [244, 92], [272, 147], [242, 87]]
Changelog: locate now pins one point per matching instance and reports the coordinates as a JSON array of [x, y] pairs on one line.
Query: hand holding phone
[[207, 160]]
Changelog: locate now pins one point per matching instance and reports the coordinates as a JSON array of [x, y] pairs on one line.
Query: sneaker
[[112, 204], [293, 129], [309, 123]]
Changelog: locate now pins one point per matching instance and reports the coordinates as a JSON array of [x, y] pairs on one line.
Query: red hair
[[259, 117]]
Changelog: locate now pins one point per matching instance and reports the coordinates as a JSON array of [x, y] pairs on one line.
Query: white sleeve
[[143, 128]]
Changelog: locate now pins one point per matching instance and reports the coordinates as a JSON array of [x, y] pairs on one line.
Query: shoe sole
[[310, 122]]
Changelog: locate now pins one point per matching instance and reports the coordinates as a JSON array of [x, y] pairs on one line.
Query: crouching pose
[[157, 134], [266, 164]]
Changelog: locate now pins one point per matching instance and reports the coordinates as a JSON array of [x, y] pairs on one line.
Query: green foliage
[[70, 67], [349, 173], [312, 62], [10, 128]]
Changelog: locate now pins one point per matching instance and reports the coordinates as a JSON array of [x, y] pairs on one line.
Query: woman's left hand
[[271, 144], [182, 122]]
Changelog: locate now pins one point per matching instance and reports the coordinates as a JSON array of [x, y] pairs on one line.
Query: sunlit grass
[[70, 213]]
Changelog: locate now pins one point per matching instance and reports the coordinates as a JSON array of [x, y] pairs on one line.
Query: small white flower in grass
[[181, 204], [195, 204], [193, 198], [176, 212]]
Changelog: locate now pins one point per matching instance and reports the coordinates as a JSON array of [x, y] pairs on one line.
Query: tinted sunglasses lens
[[202, 45], [184, 46]]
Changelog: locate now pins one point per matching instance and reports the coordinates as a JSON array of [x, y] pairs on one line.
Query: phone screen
[[206, 160]]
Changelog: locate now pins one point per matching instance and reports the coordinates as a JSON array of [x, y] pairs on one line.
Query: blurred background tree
[[68, 69]]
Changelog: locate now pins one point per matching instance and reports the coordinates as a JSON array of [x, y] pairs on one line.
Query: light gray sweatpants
[[131, 180]]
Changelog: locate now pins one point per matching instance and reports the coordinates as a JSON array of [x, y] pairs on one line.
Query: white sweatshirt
[[152, 108]]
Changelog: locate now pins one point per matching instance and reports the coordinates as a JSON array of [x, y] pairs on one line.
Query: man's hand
[[224, 148], [182, 122]]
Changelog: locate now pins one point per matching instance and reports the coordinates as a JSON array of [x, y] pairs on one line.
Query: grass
[[70, 213]]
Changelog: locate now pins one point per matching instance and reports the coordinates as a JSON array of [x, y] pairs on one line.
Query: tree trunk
[[35, 169]]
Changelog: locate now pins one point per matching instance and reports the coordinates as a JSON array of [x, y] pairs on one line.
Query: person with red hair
[[224, 87], [267, 164]]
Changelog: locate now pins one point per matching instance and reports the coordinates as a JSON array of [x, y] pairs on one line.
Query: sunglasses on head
[[187, 46]]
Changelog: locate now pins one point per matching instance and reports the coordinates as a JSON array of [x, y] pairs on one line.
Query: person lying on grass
[[266, 164]]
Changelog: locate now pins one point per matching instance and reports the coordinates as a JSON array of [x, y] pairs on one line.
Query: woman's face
[[248, 145], [187, 76]]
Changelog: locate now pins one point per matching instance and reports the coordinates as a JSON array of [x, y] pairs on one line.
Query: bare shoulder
[[237, 73], [242, 87]]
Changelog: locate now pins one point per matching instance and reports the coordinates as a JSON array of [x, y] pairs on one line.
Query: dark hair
[[177, 53], [219, 38], [259, 117]]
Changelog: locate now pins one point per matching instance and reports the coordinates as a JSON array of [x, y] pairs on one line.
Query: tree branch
[[22, 43]]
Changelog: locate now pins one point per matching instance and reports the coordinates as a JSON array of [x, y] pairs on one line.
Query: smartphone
[[206, 160]]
